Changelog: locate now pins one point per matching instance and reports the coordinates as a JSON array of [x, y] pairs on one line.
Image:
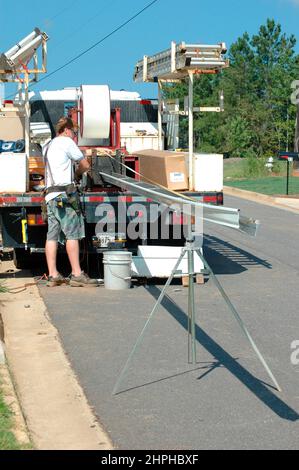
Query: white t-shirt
[[62, 152]]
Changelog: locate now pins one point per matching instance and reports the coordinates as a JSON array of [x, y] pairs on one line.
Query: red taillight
[[145, 102], [213, 199], [35, 219], [210, 199], [39, 220]]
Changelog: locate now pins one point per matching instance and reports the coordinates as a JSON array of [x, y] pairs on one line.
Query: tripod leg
[[191, 307], [189, 332], [240, 321], [159, 300]]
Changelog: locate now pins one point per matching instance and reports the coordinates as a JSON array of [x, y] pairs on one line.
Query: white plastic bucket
[[117, 269]]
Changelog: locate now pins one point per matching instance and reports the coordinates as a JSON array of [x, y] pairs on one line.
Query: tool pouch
[[73, 199]]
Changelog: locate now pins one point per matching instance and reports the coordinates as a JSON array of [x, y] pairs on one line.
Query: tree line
[[259, 117]]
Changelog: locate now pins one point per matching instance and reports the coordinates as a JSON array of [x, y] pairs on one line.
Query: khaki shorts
[[64, 223]]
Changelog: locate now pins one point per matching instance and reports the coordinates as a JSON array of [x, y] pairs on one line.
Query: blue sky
[[74, 25]]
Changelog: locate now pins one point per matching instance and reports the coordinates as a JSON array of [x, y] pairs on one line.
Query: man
[[65, 219]]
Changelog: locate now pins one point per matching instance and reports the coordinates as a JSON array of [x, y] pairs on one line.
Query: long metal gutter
[[227, 216]]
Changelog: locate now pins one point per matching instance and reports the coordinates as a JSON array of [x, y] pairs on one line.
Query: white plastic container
[[117, 269], [137, 136], [134, 143], [208, 172], [159, 261], [13, 172]]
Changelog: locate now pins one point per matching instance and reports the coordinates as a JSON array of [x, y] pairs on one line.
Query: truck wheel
[[21, 258]]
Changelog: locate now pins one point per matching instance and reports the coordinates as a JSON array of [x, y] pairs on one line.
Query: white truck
[[20, 210]]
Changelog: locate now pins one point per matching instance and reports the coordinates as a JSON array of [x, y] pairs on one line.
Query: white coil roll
[[95, 111]]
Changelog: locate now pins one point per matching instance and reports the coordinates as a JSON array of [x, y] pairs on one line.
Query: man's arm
[[75, 154], [82, 167]]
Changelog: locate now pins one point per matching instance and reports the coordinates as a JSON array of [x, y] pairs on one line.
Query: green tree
[[277, 66], [239, 136], [259, 117]]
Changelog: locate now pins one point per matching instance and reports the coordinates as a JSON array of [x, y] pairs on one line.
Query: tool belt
[[68, 189], [72, 199]]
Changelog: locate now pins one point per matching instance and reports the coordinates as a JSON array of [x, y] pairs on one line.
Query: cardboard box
[[164, 167], [12, 123]]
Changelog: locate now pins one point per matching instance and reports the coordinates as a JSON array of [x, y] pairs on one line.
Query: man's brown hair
[[64, 123]]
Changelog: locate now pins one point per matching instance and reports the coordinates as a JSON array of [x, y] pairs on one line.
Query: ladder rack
[[20, 64], [174, 63]]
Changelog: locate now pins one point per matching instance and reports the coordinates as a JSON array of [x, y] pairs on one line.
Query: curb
[[55, 408], [2, 354], [260, 198], [10, 397]]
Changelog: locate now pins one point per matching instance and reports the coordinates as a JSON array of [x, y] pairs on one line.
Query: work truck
[[112, 128], [22, 224]]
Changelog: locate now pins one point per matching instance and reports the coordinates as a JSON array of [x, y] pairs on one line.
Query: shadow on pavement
[[225, 258], [209, 368], [256, 386]]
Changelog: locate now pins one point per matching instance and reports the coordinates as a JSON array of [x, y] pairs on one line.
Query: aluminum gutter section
[[229, 217], [249, 225]]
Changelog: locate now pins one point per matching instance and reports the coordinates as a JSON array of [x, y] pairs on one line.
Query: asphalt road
[[226, 400]]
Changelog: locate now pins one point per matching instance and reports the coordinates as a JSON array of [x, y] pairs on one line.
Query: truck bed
[[18, 207], [34, 199]]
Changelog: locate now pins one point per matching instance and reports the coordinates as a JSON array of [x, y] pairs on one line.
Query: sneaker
[[83, 280], [56, 281]]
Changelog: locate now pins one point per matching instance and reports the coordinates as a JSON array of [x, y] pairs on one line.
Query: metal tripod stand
[[190, 249]]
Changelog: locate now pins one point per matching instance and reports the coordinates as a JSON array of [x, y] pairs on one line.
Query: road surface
[[226, 400]]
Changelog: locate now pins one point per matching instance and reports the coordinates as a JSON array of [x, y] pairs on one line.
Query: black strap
[[48, 164]]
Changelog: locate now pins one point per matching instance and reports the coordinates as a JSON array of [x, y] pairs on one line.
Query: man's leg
[[52, 239], [73, 228], [51, 254], [72, 249]]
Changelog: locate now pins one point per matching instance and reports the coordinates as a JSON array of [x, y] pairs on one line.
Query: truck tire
[[22, 258]]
